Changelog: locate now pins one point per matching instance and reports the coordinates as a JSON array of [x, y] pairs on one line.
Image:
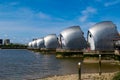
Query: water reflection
[[24, 64]]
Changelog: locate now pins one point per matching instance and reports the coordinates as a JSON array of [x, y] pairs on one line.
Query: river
[[26, 65]]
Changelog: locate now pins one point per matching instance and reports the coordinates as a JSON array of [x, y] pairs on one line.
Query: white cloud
[[111, 3], [9, 11], [85, 26], [86, 13], [83, 18], [91, 23], [42, 15], [13, 3], [8, 5], [88, 10], [22, 22]]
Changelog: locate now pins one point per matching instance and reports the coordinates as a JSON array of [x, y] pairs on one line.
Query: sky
[[23, 20]]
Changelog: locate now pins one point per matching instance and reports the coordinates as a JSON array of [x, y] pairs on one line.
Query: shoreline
[[102, 61], [84, 76]]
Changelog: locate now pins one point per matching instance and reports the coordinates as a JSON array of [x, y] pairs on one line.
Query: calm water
[[25, 65]]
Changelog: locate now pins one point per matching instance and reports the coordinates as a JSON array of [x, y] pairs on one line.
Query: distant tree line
[[13, 46]]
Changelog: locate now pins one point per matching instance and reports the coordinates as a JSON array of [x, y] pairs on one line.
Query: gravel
[[91, 76]]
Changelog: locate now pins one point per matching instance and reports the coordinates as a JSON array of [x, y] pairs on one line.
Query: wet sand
[[91, 76]]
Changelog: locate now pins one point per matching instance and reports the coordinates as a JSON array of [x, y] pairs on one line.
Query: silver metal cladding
[[40, 43], [51, 41], [72, 38], [100, 36]]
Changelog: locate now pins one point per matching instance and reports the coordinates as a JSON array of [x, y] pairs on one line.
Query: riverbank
[[13, 46], [86, 76]]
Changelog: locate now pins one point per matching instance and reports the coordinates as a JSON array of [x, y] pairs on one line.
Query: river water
[[26, 65]]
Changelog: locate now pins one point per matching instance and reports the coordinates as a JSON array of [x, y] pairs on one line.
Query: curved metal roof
[[103, 34], [103, 29], [51, 41], [29, 44], [34, 44], [73, 38], [40, 43]]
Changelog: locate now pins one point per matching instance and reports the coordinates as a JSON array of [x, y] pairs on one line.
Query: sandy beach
[[92, 76]]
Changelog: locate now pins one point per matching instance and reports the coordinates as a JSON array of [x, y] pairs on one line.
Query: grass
[[117, 76]]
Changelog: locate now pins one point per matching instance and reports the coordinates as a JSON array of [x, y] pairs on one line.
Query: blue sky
[[23, 20]]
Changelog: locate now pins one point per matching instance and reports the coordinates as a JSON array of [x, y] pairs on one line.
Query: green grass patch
[[117, 76]]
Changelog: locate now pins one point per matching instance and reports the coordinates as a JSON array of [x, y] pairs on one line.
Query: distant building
[[1, 41], [6, 41]]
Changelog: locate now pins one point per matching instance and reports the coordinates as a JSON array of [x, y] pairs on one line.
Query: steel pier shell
[[101, 35], [51, 41], [72, 38]]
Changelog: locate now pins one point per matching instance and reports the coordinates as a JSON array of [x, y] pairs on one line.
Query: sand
[[91, 76]]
